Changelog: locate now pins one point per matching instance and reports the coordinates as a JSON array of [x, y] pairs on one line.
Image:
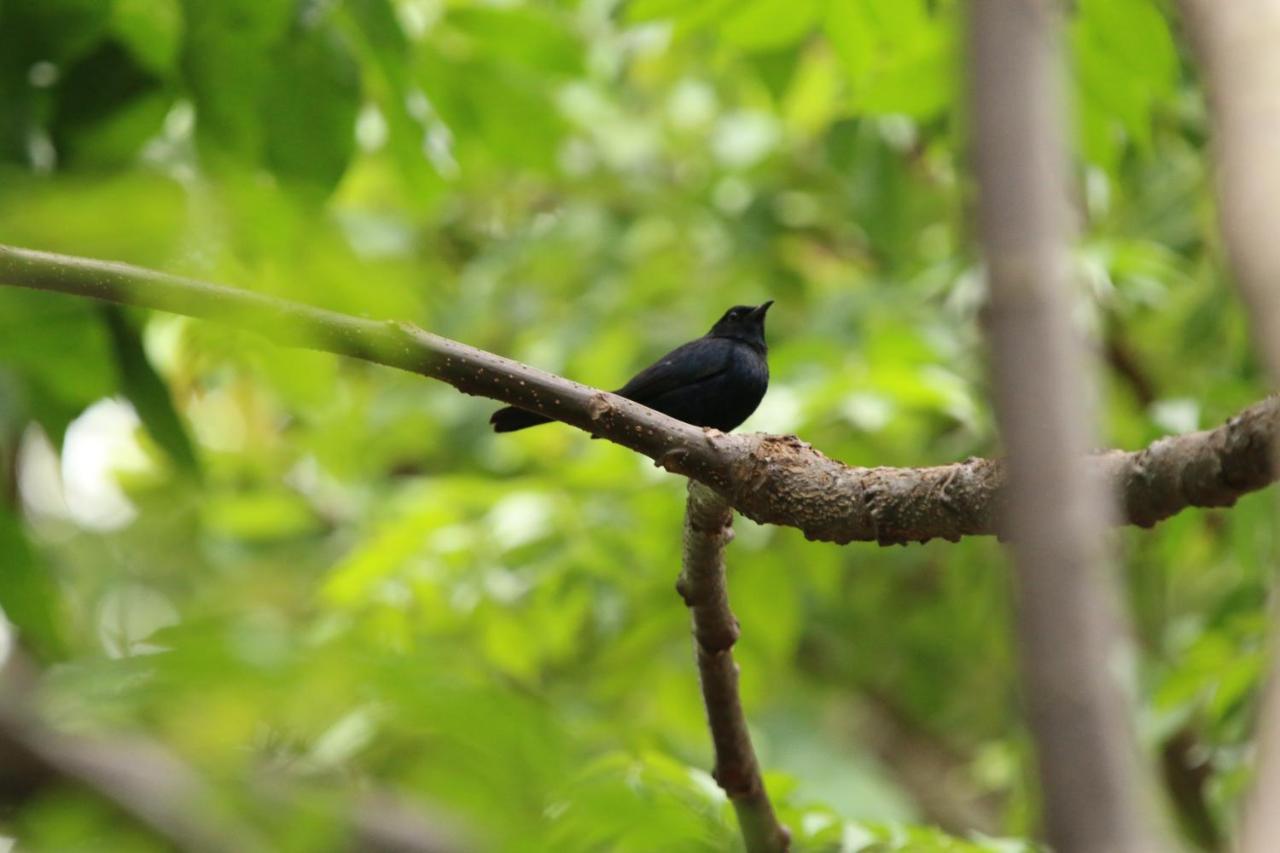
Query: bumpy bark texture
[[708, 528], [783, 480], [770, 479]]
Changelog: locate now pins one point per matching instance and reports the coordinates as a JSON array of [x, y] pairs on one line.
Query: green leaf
[[309, 109], [28, 593], [1135, 35], [898, 57], [492, 77], [652, 10], [521, 37], [1126, 65], [260, 517], [814, 96], [17, 109], [227, 58], [770, 24], [31, 31], [107, 107], [151, 29], [376, 19], [83, 216], [686, 16], [271, 92], [56, 347], [384, 52], [148, 392], [55, 31], [498, 115]]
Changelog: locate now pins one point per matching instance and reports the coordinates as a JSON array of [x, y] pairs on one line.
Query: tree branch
[[708, 527], [769, 479], [1095, 792]]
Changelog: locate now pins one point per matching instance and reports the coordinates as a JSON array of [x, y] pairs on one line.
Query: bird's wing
[[690, 364]]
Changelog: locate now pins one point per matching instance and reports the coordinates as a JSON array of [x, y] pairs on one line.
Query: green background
[[335, 573]]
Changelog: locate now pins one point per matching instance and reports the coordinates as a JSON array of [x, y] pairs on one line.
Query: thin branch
[[1094, 790], [1236, 42], [708, 527], [769, 479]]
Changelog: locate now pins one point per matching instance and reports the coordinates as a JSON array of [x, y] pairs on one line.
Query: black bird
[[715, 381]]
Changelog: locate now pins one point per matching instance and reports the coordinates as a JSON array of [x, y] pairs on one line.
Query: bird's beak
[[759, 311]]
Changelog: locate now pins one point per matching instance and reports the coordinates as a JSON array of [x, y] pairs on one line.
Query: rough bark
[[1095, 794], [769, 479], [703, 584]]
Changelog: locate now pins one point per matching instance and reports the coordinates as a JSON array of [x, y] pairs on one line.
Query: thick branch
[[708, 527], [769, 479], [1095, 794]]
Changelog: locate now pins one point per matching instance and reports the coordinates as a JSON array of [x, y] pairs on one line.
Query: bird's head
[[743, 323]]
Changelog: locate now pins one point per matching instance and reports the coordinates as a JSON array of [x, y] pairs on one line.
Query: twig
[[1095, 795], [708, 527], [769, 479]]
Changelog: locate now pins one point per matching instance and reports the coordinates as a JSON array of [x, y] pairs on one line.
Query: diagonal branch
[[708, 527], [769, 479]]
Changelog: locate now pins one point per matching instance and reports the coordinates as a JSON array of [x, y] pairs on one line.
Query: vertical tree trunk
[[1094, 790], [1239, 46]]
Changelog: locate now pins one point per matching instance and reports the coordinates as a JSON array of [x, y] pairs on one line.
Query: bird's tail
[[511, 419]]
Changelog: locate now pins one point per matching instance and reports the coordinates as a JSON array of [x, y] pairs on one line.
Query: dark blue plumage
[[715, 381]]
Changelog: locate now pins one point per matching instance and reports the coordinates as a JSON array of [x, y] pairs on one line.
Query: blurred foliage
[[280, 562]]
